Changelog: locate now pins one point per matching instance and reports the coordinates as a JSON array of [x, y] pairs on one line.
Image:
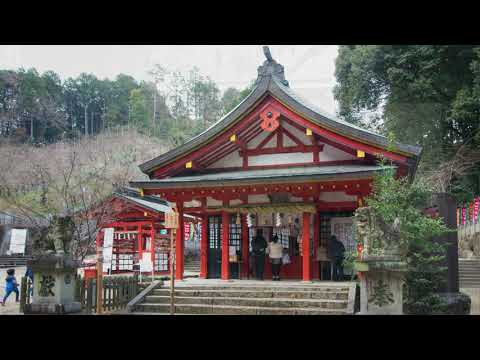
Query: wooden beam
[[289, 149]]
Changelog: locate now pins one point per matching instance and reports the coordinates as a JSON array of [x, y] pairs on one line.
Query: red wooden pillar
[[179, 245], [140, 242], [152, 246], [307, 276], [225, 236], [316, 237], [204, 248], [245, 247]]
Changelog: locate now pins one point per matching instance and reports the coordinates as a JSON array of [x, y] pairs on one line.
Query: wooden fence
[[117, 292]]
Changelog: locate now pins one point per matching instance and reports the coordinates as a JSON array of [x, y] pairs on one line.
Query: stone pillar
[[54, 285], [225, 238], [179, 245], [381, 292], [307, 276], [204, 248], [245, 247], [447, 207]]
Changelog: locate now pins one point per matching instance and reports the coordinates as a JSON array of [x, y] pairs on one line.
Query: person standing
[[259, 246], [275, 253], [29, 275], [337, 253], [11, 286]]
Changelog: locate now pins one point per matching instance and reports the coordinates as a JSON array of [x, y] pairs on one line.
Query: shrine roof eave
[[270, 85], [250, 177], [146, 202]]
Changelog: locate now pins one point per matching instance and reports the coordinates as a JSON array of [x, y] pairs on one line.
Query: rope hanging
[[266, 209]]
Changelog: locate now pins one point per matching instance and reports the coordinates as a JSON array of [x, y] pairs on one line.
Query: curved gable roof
[[271, 81]]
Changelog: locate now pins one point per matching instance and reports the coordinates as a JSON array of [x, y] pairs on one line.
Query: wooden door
[[214, 255]]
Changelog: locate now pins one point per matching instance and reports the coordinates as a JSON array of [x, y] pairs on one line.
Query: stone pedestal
[[54, 285], [381, 285]]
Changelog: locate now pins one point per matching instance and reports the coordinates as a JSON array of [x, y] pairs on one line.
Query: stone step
[[289, 294], [469, 273], [255, 302], [196, 309], [469, 285], [254, 288], [469, 266]]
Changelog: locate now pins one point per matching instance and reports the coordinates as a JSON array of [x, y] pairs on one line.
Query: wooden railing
[[117, 292]]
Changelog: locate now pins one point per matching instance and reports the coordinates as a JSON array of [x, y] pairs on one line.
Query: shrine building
[[276, 163], [134, 220]]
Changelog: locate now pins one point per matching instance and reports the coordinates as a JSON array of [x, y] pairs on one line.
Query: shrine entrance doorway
[[214, 254]]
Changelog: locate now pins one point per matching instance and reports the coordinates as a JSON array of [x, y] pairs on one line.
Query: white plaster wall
[[288, 142], [235, 202], [271, 143], [258, 199], [336, 196], [330, 153], [297, 133], [257, 140], [274, 159], [232, 159], [213, 202], [193, 203]]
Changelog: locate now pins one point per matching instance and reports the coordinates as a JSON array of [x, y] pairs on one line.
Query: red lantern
[[360, 249]]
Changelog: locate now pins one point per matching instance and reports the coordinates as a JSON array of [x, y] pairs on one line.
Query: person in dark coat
[[29, 275], [259, 246], [337, 253]]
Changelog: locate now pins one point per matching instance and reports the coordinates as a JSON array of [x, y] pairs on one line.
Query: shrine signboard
[[171, 220]]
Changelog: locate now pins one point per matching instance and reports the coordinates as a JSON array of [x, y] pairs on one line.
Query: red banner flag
[[464, 214], [475, 210]]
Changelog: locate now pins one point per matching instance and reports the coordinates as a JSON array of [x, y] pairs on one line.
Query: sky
[[308, 68]]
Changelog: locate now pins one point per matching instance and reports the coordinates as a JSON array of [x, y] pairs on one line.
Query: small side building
[[138, 231]]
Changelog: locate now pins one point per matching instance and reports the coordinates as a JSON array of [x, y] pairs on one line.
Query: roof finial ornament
[[268, 55], [270, 68]]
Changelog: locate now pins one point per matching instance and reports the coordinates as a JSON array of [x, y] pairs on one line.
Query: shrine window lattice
[[125, 250], [214, 232], [235, 234], [161, 261]]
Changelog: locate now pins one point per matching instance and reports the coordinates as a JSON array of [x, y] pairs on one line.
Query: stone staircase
[[191, 267], [245, 297], [469, 273], [8, 261]]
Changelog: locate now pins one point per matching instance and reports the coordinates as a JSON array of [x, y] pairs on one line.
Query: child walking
[[11, 286]]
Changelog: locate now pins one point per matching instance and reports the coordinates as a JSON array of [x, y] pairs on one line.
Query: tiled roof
[[269, 175], [271, 81]]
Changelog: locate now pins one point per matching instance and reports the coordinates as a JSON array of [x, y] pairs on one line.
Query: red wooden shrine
[[136, 220], [280, 161]]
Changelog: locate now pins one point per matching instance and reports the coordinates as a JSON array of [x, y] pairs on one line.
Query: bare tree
[[76, 178]]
